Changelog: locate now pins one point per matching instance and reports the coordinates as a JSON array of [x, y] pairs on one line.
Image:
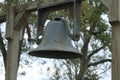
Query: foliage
[[94, 44]]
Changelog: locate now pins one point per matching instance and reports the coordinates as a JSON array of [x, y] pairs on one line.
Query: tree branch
[[3, 50], [2, 18], [103, 38], [95, 51], [84, 48], [99, 62]]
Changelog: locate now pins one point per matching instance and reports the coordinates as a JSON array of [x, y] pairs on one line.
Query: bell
[[56, 42]]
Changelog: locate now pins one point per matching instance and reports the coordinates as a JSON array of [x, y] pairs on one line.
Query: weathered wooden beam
[[33, 6], [57, 6], [19, 20], [42, 10], [115, 50], [13, 55], [10, 23], [115, 11]]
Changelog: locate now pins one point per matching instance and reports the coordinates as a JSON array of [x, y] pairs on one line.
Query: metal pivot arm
[[76, 18], [41, 18]]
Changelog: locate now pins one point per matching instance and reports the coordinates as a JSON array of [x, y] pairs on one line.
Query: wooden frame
[[14, 30], [14, 39]]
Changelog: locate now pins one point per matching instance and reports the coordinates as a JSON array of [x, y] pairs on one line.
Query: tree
[[94, 44]]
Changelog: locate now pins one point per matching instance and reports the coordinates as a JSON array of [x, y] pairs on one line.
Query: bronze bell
[[56, 42]]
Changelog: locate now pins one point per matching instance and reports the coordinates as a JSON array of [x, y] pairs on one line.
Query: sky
[[1, 0]]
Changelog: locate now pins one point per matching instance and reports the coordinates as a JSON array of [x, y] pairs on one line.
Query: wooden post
[[10, 23], [115, 11], [115, 50], [14, 37], [13, 56], [115, 22]]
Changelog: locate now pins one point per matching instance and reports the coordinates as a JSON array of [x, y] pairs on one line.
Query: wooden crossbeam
[[57, 6], [43, 10], [33, 6]]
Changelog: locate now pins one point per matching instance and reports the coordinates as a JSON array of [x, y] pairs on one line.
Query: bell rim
[[55, 54]]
